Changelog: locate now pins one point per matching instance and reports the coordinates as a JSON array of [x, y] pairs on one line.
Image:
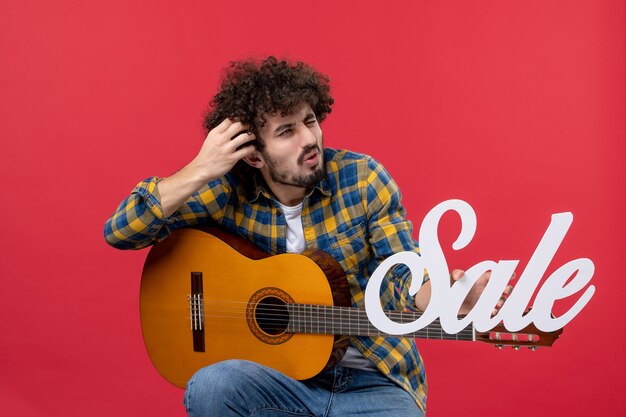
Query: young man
[[264, 174]]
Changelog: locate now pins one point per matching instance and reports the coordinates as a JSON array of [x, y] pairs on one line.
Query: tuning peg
[[533, 348], [516, 347], [499, 346]]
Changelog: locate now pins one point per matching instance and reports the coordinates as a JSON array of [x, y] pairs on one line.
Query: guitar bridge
[[196, 307]]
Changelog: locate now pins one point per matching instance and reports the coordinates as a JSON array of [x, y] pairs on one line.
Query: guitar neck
[[353, 321]]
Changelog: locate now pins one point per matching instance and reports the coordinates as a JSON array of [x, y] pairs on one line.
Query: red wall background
[[517, 107]]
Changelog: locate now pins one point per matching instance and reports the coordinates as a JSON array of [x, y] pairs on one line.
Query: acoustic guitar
[[208, 296]]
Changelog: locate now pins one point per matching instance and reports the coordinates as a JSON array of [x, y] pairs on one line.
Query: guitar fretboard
[[352, 321]]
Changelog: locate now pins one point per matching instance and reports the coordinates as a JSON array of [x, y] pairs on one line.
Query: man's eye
[[285, 132], [310, 122]]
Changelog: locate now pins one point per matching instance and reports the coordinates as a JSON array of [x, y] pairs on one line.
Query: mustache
[[306, 151]]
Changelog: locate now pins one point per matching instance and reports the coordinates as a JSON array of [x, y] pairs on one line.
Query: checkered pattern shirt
[[354, 214]]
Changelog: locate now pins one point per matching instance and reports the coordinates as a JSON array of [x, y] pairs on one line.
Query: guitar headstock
[[529, 337]]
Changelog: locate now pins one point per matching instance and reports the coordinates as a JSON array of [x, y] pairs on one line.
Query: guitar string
[[431, 331], [237, 306], [362, 329], [322, 318], [359, 324], [281, 310], [352, 313], [355, 322], [320, 315], [365, 328], [355, 318]]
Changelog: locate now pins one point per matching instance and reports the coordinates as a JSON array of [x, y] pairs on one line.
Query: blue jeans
[[242, 388]]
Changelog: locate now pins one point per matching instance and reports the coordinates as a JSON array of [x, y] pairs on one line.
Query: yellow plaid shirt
[[354, 213]]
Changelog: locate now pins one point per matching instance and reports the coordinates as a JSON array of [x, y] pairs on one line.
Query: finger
[[244, 152], [235, 129], [500, 302], [224, 125], [498, 306], [508, 289], [457, 274], [242, 138], [513, 276]]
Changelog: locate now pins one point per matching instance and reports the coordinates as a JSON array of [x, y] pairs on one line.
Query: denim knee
[[210, 387]]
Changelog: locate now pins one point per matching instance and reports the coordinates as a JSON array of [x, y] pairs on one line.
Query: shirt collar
[[257, 188]]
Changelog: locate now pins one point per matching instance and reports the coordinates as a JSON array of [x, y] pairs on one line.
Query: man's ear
[[255, 160]]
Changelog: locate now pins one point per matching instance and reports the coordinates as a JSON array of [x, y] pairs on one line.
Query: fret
[[341, 320], [308, 320]]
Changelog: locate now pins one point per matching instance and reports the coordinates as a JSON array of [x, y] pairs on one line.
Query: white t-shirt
[[295, 233]]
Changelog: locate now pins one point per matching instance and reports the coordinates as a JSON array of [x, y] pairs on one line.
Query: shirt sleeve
[[390, 232], [138, 221]]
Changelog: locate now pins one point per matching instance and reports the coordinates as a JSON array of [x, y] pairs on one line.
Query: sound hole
[[267, 315], [272, 316]]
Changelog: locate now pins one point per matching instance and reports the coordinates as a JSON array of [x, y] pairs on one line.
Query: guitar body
[[221, 322]]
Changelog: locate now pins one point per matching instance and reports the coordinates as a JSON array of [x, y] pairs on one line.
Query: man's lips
[[312, 158], [309, 156]]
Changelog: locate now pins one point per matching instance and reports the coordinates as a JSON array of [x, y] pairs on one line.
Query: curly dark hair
[[251, 89]]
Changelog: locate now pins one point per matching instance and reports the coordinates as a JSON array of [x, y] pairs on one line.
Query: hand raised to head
[[224, 145]]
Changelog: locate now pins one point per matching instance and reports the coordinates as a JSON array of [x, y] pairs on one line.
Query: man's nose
[[306, 137]]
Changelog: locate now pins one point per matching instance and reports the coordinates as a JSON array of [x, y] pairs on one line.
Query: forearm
[[140, 220], [176, 189]]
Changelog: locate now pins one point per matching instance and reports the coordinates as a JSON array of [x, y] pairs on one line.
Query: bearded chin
[[302, 180]]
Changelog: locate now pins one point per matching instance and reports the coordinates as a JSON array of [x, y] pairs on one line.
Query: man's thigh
[[243, 388], [371, 394]]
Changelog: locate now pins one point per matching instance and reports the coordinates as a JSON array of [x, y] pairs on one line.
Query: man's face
[[293, 149]]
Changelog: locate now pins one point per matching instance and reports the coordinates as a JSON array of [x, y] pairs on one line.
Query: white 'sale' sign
[[446, 299]]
